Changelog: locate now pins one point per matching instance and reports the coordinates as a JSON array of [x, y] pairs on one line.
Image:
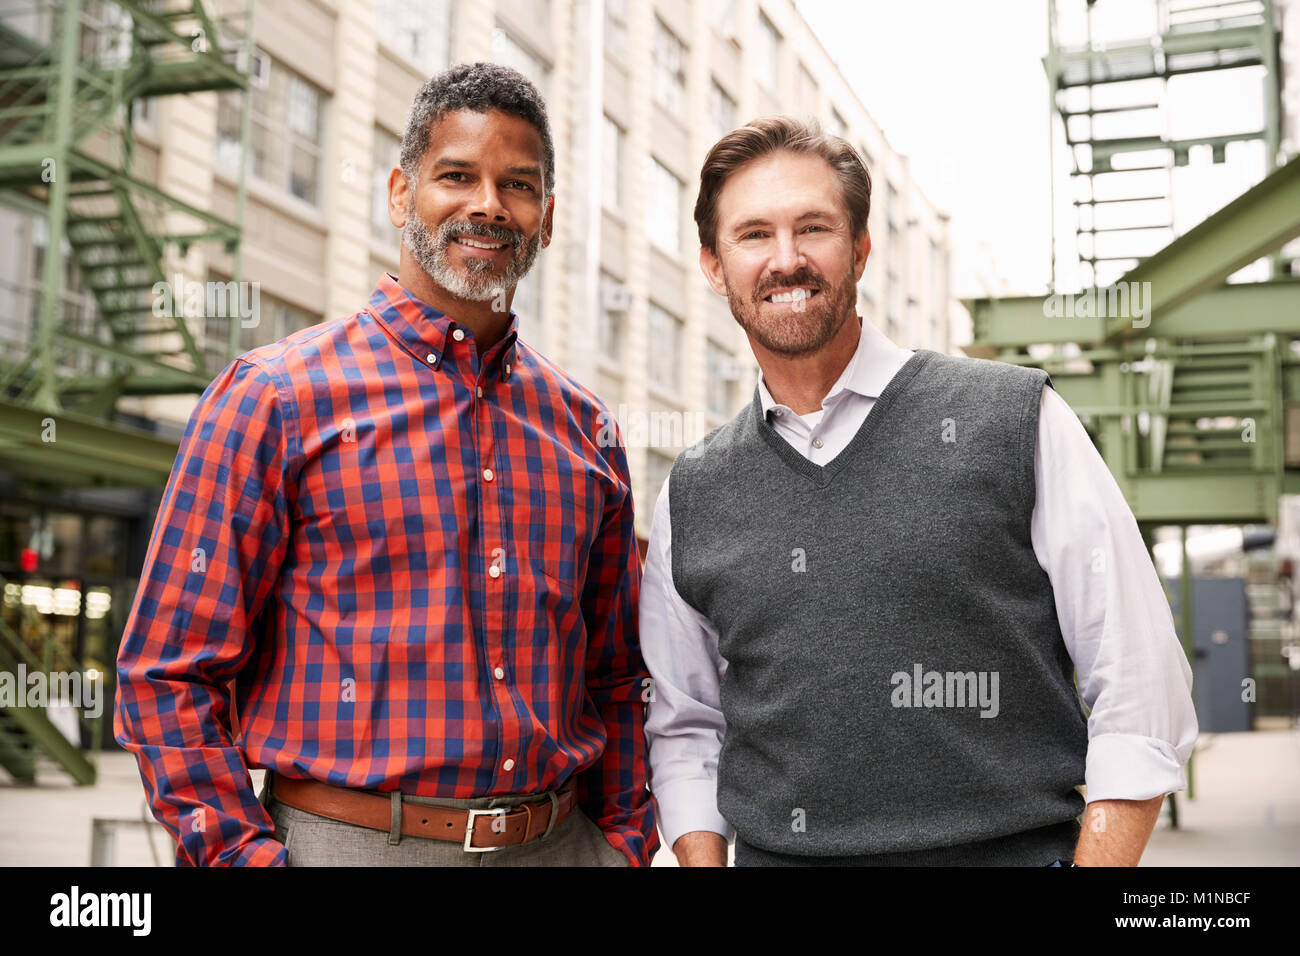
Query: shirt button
[[508, 765], [431, 358], [487, 474], [778, 412], [494, 572], [458, 335], [479, 391], [499, 673], [817, 443]]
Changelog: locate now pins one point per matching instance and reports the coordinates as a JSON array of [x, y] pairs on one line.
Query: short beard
[[478, 285], [799, 332]]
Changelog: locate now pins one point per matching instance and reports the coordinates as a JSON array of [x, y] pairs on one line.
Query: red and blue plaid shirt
[[414, 567]]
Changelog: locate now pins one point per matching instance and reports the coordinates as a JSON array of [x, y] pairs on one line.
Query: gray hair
[[479, 87]]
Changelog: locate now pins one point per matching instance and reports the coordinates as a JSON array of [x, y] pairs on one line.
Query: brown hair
[[765, 135]]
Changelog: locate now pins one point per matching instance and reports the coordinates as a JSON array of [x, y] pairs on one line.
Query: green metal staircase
[[70, 74], [1111, 99], [74, 75], [27, 733]]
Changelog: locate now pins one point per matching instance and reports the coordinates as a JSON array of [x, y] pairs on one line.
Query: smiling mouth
[[791, 295], [484, 244]]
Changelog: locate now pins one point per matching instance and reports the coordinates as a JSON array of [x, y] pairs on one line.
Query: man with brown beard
[[867, 595]]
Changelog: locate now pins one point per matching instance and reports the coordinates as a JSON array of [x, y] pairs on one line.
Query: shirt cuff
[[264, 852], [1132, 767], [688, 805]]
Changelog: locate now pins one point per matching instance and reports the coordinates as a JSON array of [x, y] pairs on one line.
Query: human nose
[[786, 257], [487, 204]]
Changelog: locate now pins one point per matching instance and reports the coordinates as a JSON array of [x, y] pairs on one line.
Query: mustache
[[802, 277], [483, 230]]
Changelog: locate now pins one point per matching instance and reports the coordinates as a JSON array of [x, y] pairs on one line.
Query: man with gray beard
[[397, 546]]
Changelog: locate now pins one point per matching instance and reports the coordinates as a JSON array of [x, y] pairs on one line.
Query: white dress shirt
[[1111, 607]]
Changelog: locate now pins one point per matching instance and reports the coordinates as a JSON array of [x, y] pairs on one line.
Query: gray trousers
[[313, 840]]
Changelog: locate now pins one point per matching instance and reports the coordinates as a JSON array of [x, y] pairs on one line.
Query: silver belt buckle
[[469, 829]]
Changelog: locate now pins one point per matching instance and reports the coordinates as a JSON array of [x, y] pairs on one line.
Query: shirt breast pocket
[[559, 545]]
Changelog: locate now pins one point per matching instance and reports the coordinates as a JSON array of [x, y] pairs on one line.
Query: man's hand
[[701, 848], [1115, 832]]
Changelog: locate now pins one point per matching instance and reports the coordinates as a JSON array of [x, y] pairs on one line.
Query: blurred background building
[[188, 149]]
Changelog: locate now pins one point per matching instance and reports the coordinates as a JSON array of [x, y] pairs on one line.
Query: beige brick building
[[637, 91]]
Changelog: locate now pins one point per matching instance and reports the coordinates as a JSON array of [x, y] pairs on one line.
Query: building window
[[664, 209], [657, 468], [669, 70], [767, 54], [616, 27], [419, 30], [271, 321], [806, 93], [385, 148], [509, 53], [611, 182], [527, 304], [614, 301], [665, 365], [891, 305], [724, 372], [287, 136], [722, 111], [837, 124], [722, 17]]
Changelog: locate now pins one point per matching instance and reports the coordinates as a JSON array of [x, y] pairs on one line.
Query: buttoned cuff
[[1132, 767], [689, 805]]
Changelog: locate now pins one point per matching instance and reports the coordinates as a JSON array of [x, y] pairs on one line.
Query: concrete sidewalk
[[1247, 806], [1246, 811]]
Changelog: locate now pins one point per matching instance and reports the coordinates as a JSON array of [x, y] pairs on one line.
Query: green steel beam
[[83, 443], [1261, 220], [1230, 311], [69, 33], [1199, 498]]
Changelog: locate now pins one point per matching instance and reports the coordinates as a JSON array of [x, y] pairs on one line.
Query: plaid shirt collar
[[427, 333]]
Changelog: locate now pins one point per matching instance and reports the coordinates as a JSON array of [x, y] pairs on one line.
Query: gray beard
[[430, 251]]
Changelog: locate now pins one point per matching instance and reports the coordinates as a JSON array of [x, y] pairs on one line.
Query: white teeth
[[479, 245], [793, 296]]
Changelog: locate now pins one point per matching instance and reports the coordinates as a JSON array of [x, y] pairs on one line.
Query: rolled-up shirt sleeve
[[684, 726], [1114, 617]]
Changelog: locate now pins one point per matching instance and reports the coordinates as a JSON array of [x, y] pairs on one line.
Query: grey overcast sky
[[960, 90], [958, 87]]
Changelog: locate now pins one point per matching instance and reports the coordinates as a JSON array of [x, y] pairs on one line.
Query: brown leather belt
[[476, 830]]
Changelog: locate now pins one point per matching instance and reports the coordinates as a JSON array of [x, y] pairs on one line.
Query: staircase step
[[120, 287]]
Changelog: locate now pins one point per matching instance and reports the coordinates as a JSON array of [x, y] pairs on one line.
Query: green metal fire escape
[[1188, 384], [73, 74], [1189, 400]]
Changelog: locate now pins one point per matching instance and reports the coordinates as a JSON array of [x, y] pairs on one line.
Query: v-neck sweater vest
[[896, 681]]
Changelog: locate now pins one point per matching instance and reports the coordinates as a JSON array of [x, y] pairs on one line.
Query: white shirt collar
[[873, 363]]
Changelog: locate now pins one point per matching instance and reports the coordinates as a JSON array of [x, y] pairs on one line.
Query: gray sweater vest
[[896, 679]]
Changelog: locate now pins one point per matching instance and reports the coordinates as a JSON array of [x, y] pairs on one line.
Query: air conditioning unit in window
[[259, 70], [615, 297]]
